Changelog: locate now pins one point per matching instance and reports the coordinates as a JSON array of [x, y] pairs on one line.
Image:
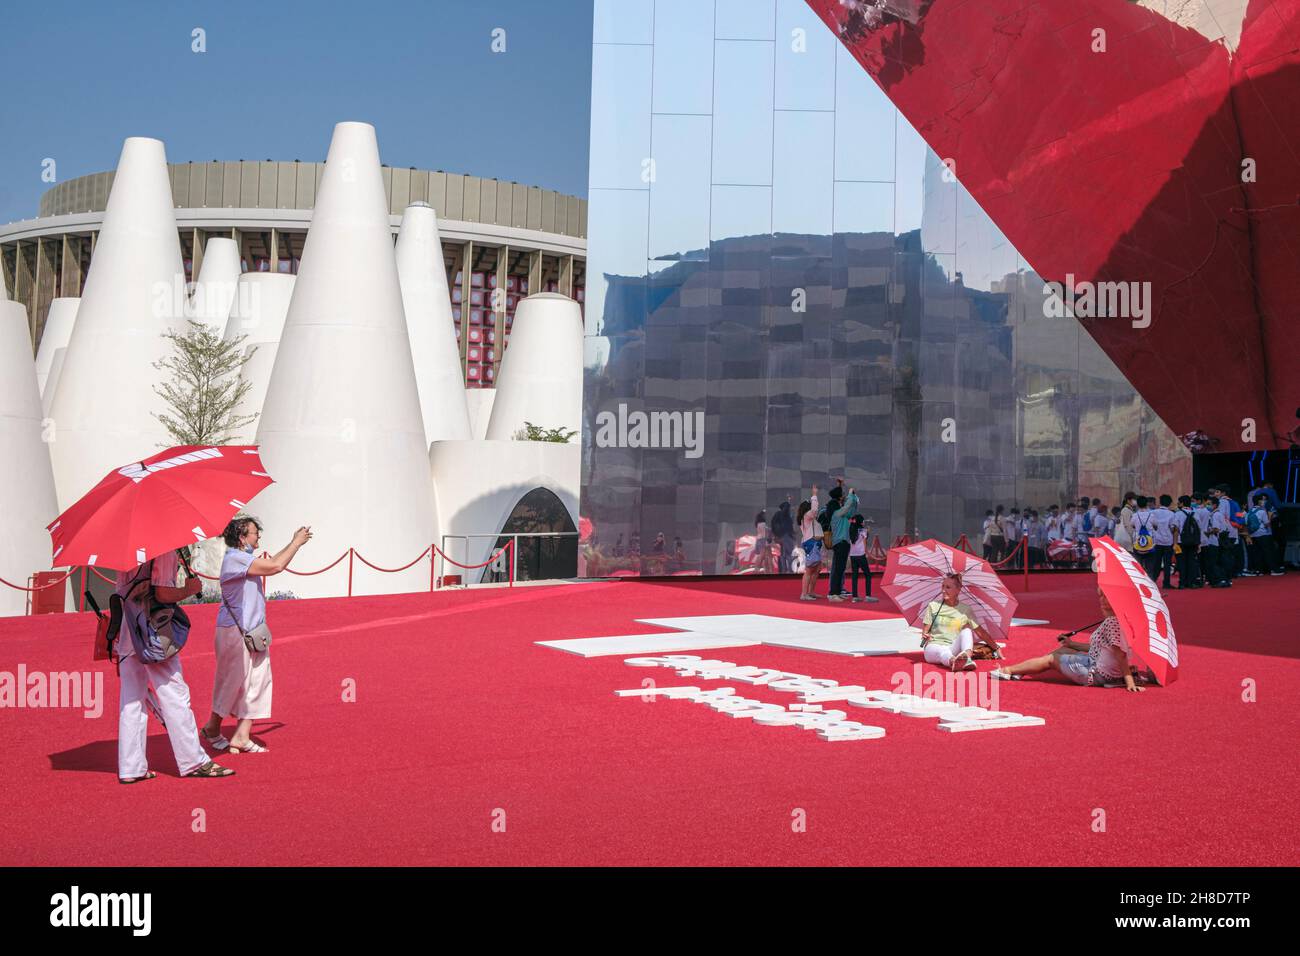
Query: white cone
[[258, 315], [214, 290], [105, 405], [256, 372], [340, 428], [261, 304], [427, 302], [52, 383], [541, 374], [26, 479], [59, 323]]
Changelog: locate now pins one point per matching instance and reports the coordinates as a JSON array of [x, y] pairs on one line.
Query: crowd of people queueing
[[1204, 538]]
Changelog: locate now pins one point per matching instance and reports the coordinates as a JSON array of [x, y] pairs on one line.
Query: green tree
[[204, 389], [531, 432]]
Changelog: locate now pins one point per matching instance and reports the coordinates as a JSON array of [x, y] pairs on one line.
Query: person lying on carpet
[[1102, 662], [949, 629]]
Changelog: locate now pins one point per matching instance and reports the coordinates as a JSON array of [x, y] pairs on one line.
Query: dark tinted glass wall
[[774, 249]]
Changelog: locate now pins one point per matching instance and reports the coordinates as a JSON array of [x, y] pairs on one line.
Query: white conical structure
[[258, 315], [52, 382], [261, 304], [541, 374], [434, 351], [256, 371], [59, 323], [214, 289], [340, 428], [26, 480], [105, 406]]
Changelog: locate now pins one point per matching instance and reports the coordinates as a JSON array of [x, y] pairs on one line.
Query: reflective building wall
[[774, 252]]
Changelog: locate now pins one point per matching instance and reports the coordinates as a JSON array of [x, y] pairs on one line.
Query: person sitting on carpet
[[1102, 662], [949, 629]]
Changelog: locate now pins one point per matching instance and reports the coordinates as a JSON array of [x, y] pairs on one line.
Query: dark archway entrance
[[539, 559]]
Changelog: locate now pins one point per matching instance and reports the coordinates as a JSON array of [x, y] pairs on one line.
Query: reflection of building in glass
[[1128, 147], [776, 247]]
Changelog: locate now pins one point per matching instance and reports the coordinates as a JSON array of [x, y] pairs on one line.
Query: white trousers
[[943, 654], [133, 716]]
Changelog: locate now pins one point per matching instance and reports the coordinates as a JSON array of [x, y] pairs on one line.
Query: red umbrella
[[914, 576], [150, 507], [1142, 613]]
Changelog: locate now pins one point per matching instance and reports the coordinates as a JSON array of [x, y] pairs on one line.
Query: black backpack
[[1189, 538]]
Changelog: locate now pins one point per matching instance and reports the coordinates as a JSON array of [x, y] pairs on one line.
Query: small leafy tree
[[531, 432], [204, 389]]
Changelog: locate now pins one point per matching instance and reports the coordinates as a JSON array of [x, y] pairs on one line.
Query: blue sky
[[82, 75]]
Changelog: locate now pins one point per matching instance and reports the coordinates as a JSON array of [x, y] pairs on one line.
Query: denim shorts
[[1077, 667], [812, 551]]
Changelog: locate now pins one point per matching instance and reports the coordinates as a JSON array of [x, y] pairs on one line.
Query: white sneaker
[[871, 600], [835, 597]]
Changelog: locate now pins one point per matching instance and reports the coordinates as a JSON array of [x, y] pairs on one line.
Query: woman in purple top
[[241, 687]]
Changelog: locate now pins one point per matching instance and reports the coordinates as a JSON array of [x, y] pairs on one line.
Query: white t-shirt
[[1160, 521], [165, 567], [1225, 509], [1217, 523]]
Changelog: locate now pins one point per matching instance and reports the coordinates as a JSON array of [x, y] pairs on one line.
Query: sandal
[[211, 769], [149, 775], [219, 742], [252, 747]]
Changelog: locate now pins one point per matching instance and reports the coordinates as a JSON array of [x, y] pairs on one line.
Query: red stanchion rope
[[42, 587], [470, 567], [310, 574], [392, 570], [1014, 551]]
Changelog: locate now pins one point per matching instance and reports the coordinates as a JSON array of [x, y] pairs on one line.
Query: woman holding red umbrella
[[949, 629], [1102, 661]]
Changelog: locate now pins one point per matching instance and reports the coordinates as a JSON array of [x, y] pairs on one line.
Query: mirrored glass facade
[[775, 253]]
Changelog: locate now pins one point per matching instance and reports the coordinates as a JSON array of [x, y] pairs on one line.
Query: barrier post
[[514, 555], [1024, 558], [351, 552], [433, 564]]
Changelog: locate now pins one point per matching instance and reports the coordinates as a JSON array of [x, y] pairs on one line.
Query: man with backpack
[[835, 520], [1231, 557], [1187, 535], [145, 599], [1144, 542], [1259, 525]]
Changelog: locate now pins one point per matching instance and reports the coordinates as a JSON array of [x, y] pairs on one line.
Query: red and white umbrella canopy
[[914, 576], [1143, 615], [147, 508]]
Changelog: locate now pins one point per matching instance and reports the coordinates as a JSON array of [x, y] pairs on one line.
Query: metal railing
[[499, 562]]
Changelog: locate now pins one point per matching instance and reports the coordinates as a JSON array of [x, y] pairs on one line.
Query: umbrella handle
[[189, 571], [1084, 628]]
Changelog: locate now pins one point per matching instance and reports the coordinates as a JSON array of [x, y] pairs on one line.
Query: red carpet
[[458, 714]]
